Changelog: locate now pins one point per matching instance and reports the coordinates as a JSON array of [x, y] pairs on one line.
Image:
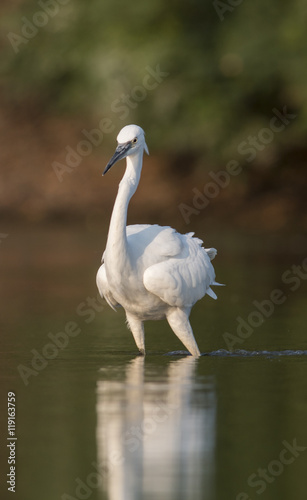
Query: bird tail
[[211, 252], [210, 292]]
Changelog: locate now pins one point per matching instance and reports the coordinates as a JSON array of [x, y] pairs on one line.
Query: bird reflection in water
[[156, 437]]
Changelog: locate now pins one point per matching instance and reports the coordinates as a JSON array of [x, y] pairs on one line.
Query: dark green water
[[97, 421]]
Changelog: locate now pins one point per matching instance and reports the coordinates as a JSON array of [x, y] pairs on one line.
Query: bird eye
[[135, 140]]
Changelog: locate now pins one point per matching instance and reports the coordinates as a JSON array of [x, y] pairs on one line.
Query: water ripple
[[244, 354]]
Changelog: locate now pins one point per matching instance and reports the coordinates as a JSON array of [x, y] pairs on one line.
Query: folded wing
[[184, 278]]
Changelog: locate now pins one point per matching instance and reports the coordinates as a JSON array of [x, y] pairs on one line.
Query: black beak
[[120, 153]]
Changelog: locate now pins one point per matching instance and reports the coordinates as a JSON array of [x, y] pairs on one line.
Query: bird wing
[[184, 278], [136, 228], [147, 245], [151, 244], [103, 287]]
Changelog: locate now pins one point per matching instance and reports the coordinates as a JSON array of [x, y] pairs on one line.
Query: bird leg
[[178, 320], [137, 329]]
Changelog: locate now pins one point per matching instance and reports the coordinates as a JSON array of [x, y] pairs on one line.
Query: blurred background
[[220, 91], [201, 78]]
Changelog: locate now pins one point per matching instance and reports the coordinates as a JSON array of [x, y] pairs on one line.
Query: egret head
[[130, 140]]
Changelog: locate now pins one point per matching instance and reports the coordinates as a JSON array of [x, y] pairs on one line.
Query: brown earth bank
[[44, 178]]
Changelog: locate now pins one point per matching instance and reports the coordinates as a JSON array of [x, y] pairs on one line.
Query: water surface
[[95, 420]]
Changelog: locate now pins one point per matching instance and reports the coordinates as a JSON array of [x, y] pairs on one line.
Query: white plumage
[[153, 272]]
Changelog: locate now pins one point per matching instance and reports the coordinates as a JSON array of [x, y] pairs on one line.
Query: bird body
[[153, 272]]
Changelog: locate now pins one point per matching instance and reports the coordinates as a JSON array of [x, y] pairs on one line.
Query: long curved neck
[[117, 237]]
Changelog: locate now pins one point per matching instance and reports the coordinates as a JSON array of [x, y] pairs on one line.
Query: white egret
[[153, 272]]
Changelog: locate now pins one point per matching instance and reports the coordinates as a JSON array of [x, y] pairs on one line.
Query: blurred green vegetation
[[204, 79], [228, 66]]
